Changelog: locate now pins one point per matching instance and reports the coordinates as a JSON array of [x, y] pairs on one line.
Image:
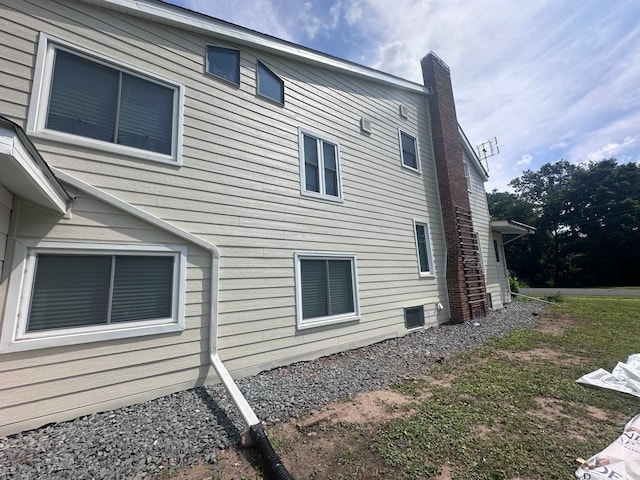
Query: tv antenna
[[488, 149]]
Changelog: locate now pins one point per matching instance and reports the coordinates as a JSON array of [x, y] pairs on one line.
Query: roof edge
[[184, 18]]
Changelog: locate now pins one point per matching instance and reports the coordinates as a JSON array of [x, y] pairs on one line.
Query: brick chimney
[[465, 281]]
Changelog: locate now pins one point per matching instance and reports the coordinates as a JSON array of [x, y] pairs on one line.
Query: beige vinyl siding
[[239, 184], [40, 386]]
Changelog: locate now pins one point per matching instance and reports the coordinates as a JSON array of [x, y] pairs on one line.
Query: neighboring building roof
[[162, 12], [511, 227], [24, 171]]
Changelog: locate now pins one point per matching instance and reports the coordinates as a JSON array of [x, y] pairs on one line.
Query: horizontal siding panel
[[67, 355]]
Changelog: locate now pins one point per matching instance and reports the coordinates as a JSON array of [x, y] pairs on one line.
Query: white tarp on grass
[[625, 377], [621, 459]]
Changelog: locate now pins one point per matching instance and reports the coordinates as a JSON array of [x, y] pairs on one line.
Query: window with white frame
[[326, 289], [423, 249], [224, 63], [409, 151], [319, 167], [83, 98], [467, 175], [73, 293], [269, 84]]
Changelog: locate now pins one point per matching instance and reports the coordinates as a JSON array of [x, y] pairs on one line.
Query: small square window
[[269, 84], [224, 63], [409, 151], [414, 317]]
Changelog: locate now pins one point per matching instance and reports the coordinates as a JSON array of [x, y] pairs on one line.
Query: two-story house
[[183, 200]]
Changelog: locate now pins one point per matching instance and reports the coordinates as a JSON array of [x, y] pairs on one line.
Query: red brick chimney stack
[[454, 196]]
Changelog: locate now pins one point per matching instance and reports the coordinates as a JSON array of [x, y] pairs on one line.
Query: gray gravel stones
[[144, 440]]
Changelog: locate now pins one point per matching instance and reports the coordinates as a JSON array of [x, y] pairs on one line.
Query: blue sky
[[551, 79]]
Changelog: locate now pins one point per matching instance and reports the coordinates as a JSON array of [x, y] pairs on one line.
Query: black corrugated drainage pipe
[[273, 464]]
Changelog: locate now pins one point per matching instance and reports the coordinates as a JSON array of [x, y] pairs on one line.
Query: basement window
[[414, 317]]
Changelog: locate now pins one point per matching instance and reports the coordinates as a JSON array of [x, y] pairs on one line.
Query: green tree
[[587, 219], [546, 190], [605, 222]]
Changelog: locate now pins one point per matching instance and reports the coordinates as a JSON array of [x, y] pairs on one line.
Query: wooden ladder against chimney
[[471, 264]]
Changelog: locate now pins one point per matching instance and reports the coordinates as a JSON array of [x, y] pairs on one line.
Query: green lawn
[[511, 409]]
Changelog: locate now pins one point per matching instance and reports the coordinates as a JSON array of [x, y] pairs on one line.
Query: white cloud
[[353, 12], [525, 160], [549, 80], [310, 22], [610, 150]]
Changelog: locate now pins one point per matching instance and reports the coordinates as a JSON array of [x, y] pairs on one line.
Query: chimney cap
[[432, 55]]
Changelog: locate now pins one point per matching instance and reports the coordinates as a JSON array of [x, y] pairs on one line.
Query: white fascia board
[[25, 177], [189, 20]]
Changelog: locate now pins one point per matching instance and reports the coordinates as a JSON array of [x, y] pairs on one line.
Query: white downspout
[[236, 395], [234, 392]]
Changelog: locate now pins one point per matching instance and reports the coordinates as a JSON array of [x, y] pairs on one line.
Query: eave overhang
[[24, 172], [511, 227]]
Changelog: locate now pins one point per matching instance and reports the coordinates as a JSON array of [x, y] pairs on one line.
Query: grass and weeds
[[509, 409], [513, 409]]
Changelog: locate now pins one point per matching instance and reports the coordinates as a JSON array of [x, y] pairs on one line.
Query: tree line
[[587, 219]]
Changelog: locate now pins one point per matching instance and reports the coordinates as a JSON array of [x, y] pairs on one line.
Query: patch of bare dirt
[[334, 443], [543, 354], [554, 323]]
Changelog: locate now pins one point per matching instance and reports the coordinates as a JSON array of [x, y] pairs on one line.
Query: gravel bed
[[180, 429]]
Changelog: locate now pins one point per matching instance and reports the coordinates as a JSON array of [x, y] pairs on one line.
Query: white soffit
[[24, 176], [511, 227]]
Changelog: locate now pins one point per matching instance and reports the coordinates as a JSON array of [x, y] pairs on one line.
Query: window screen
[[327, 287], [320, 167], [409, 151], [82, 290], [96, 101]]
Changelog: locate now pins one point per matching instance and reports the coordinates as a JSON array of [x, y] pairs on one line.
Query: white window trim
[[303, 181], [415, 139], [39, 103], [330, 320], [14, 336], [432, 270], [467, 174]]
